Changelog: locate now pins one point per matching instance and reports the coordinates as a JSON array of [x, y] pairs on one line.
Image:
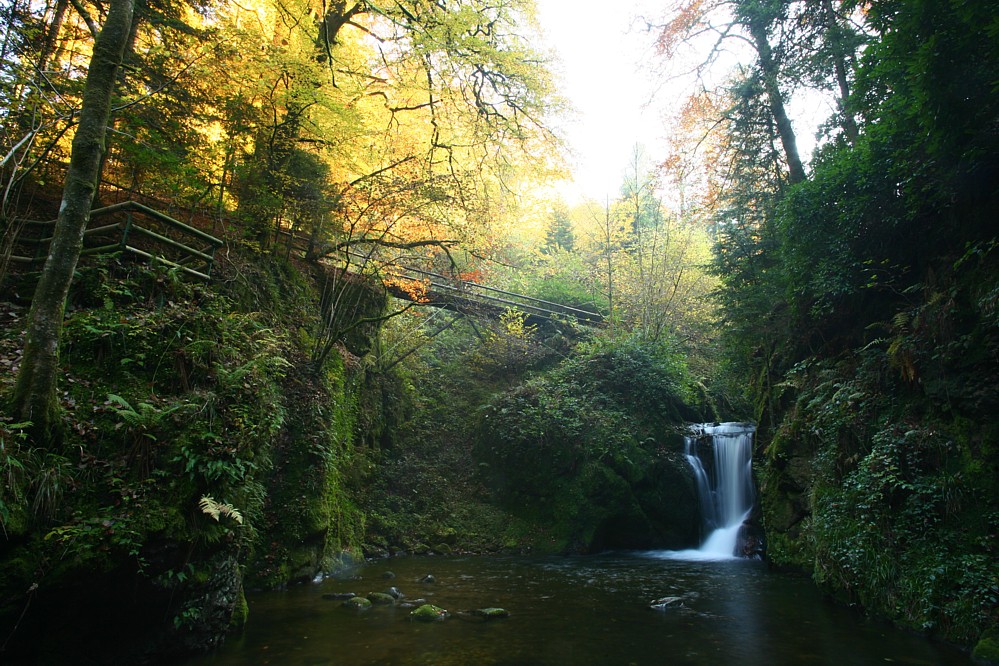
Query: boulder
[[359, 603], [339, 596], [381, 598], [429, 613]]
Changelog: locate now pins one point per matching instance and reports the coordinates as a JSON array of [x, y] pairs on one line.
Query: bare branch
[[85, 15]]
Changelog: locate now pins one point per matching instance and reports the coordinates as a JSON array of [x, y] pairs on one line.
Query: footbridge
[[473, 298], [134, 228]]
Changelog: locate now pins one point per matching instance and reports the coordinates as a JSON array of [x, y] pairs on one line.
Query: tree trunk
[[52, 36], [776, 101], [35, 397], [833, 29]]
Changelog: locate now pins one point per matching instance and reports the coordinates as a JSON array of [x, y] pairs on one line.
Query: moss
[[887, 501], [213, 397], [241, 612], [986, 651], [359, 603], [429, 613]]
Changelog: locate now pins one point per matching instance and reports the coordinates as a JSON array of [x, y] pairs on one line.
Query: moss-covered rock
[[359, 603], [206, 445], [605, 425], [429, 613], [986, 651], [240, 612]]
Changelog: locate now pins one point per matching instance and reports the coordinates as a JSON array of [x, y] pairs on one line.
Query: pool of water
[[583, 610]]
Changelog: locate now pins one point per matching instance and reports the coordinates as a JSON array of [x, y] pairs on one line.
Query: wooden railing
[[138, 230], [445, 289], [457, 294]]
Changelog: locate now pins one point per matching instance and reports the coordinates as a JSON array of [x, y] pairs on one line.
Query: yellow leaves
[[416, 290], [697, 153], [678, 27], [514, 323]]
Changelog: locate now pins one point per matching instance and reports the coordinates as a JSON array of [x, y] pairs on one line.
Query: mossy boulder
[[381, 598], [358, 603], [429, 613], [608, 426], [986, 652]]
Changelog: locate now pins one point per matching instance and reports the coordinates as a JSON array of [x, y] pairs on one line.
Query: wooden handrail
[[129, 226], [155, 214], [470, 289]]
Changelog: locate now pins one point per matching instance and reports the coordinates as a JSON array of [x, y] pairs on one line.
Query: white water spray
[[725, 490]]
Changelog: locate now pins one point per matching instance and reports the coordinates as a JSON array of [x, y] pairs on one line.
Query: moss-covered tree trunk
[[35, 392]]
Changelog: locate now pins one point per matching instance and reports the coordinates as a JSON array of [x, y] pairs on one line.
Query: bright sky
[[606, 74]]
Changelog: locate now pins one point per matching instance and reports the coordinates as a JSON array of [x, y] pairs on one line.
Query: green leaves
[[604, 406]]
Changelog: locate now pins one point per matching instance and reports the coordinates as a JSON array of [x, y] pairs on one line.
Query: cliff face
[[881, 476], [207, 452]]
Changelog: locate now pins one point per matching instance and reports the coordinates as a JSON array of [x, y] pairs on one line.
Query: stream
[[570, 610]]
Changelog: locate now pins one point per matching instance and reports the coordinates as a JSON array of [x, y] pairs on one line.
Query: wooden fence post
[[126, 230]]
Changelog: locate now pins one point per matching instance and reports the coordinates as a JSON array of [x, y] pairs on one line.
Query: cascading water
[[725, 489]]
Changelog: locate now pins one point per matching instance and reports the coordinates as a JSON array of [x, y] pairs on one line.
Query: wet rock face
[[786, 502], [657, 510], [750, 541], [149, 622], [214, 606]]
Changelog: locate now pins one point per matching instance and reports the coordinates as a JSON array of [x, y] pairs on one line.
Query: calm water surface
[[587, 610]]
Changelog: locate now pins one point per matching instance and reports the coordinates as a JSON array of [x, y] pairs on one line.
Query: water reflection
[[588, 611]]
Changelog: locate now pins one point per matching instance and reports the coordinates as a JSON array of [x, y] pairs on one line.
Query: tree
[[792, 45], [34, 396], [559, 234], [638, 194], [759, 17]]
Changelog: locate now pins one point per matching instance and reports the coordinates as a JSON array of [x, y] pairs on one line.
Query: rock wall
[[207, 453]]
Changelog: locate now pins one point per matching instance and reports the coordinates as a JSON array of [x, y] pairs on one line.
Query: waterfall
[[724, 487]]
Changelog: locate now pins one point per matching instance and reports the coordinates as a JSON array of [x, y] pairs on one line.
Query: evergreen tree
[[559, 234]]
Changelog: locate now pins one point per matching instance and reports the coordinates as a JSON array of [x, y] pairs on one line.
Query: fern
[[144, 417], [217, 509]]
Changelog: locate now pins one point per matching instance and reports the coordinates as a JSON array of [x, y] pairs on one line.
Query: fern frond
[[217, 509]]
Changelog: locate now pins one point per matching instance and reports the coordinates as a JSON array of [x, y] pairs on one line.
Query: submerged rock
[[490, 613], [666, 603], [412, 603], [429, 613], [750, 541], [428, 579], [339, 596]]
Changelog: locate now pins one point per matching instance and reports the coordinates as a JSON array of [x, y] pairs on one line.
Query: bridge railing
[[132, 228], [479, 292], [443, 287]]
